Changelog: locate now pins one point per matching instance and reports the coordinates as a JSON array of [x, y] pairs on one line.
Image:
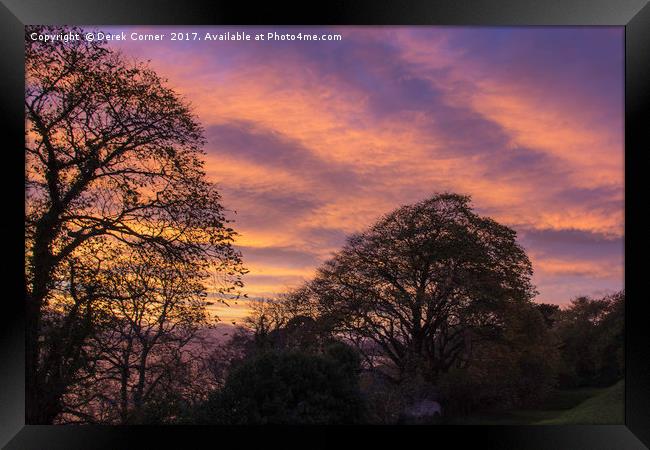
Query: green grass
[[567, 406], [604, 408], [515, 417]]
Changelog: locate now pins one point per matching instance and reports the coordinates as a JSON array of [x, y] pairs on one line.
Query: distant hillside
[[208, 339]]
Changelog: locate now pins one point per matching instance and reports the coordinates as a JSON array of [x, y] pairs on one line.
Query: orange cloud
[[311, 143]]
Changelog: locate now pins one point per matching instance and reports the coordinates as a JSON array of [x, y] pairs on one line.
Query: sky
[[312, 141]]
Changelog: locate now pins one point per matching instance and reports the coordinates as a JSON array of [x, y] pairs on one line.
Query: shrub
[[293, 387]]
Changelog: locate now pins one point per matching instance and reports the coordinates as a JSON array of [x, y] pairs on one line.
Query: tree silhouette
[[422, 284], [113, 166], [145, 331], [591, 332]]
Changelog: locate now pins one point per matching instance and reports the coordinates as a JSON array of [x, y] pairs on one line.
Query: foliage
[[591, 332], [114, 180], [517, 369], [549, 312], [288, 387], [544, 348], [223, 356], [557, 403], [421, 284]]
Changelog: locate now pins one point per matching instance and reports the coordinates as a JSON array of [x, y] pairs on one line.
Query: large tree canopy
[[422, 284], [113, 167]]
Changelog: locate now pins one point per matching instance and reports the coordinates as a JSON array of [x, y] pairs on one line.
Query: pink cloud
[[312, 141]]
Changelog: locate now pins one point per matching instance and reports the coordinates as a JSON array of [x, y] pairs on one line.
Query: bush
[[389, 402], [293, 387]]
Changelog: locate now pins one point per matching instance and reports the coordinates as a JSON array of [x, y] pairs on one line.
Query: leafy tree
[[549, 312], [113, 167], [423, 284], [591, 335], [288, 387], [612, 340]]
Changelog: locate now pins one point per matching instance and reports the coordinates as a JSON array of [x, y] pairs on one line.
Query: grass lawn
[[605, 408], [567, 406]]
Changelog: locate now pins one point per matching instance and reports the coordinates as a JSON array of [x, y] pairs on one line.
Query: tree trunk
[[32, 319], [42, 398], [138, 397]]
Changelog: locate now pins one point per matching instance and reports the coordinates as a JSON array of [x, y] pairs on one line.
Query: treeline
[[286, 369], [591, 335], [290, 369]]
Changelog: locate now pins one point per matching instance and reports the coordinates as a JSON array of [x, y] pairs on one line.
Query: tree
[[549, 311], [612, 340], [113, 166], [284, 323], [591, 333], [142, 342], [422, 284]]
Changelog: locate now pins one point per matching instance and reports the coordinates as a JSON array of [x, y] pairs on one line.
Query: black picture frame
[[634, 15]]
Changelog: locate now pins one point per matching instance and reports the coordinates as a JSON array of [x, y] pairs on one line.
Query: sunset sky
[[311, 141]]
